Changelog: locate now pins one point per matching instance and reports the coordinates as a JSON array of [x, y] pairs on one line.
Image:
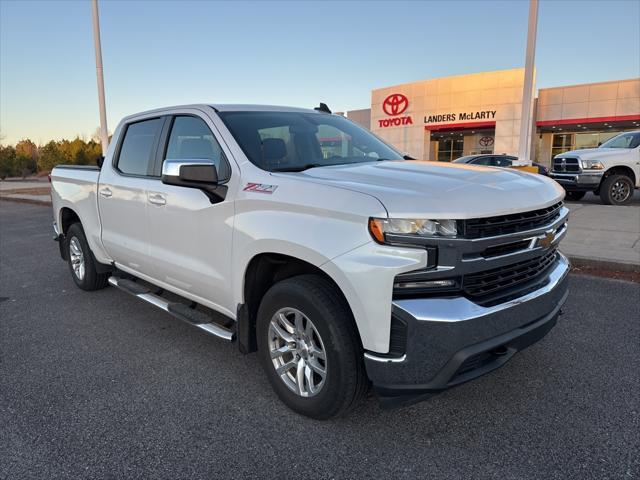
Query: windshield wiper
[[297, 168]]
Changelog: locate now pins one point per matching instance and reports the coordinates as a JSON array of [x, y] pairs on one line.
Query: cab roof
[[259, 108], [218, 107]]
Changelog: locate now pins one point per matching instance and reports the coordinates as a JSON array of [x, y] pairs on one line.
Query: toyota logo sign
[[486, 141], [395, 104]]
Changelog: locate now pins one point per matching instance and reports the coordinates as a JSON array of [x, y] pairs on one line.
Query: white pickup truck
[[612, 170], [304, 237]]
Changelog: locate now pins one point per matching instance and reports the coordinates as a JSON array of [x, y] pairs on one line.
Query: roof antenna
[[323, 108]]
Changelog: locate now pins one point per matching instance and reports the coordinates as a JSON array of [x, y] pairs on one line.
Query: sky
[[159, 53]]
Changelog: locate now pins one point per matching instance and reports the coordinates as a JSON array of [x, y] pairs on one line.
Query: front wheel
[[82, 264], [309, 347], [575, 196], [616, 190]]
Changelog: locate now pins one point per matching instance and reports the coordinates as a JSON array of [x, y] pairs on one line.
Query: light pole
[[526, 121], [104, 135]]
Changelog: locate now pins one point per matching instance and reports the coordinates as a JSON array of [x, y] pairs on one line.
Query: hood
[[594, 153], [441, 190]]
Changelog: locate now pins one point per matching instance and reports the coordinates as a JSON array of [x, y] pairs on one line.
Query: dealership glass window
[[450, 148], [562, 142], [586, 140]]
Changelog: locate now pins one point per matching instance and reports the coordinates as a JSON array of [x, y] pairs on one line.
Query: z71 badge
[[260, 188]]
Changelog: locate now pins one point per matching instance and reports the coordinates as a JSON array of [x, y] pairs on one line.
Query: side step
[[179, 310]]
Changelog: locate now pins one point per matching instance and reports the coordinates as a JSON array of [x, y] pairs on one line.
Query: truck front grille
[[497, 280], [566, 165], [506, 224]]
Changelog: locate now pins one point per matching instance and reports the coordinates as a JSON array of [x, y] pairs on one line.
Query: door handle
[[105, 192], [157, 199]]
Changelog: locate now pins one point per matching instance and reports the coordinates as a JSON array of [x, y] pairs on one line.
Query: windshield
[[625, 140], [295, 141]]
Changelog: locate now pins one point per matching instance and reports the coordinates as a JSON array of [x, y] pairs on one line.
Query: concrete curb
[[25, 200], [598, 263]]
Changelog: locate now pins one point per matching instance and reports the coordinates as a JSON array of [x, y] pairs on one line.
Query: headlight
[[409, 230], [591, 165]]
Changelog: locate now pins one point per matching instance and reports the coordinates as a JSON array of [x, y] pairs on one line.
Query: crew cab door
[[122, 195], [191, 234]]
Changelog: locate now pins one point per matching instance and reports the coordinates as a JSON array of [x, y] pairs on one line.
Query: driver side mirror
[[194, 173]]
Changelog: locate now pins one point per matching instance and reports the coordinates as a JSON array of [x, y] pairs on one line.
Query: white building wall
[[499, 92]]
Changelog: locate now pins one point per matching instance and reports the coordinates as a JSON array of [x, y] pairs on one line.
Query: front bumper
[[452, 340], [578, 182]]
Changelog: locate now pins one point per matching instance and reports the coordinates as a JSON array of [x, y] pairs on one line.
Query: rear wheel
[[616, 190], [82, 263], [309, 347], [575, 196]]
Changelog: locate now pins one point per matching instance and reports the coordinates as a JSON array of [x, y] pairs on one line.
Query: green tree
[[7, 161], [79, 152], [26, 158], [50, 156], [94, 150]]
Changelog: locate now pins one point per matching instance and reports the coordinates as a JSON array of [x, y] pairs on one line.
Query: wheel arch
[[68, 217], [264, 270], [620, 170]]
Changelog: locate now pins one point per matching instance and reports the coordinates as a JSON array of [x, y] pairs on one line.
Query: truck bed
[[74, 189]]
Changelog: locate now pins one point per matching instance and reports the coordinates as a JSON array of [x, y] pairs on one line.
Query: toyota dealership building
[[445, 118]]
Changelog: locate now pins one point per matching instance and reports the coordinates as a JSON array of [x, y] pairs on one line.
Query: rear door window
[[138, 147]]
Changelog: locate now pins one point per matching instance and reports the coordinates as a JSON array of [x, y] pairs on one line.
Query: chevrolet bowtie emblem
[[547, 239]]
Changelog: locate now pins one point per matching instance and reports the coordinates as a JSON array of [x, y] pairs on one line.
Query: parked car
[[493, 160], [612, 170], [341, 267]]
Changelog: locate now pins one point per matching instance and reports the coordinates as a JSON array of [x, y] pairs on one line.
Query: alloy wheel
[[77, 258], [297, 352], [620, 191]]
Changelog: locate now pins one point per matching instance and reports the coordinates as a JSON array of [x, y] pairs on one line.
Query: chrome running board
[[179, 310]]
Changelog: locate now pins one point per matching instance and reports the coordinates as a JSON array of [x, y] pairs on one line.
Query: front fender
[[365, 275]]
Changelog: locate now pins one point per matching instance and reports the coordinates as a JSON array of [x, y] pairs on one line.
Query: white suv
[[612, 170]]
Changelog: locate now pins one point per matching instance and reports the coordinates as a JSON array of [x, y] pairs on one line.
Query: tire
[[344, 384], [575, 196], [82, 263], [616, 190]]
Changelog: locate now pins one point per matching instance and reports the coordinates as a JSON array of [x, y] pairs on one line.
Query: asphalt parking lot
[[99, 385], [591, 199]]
